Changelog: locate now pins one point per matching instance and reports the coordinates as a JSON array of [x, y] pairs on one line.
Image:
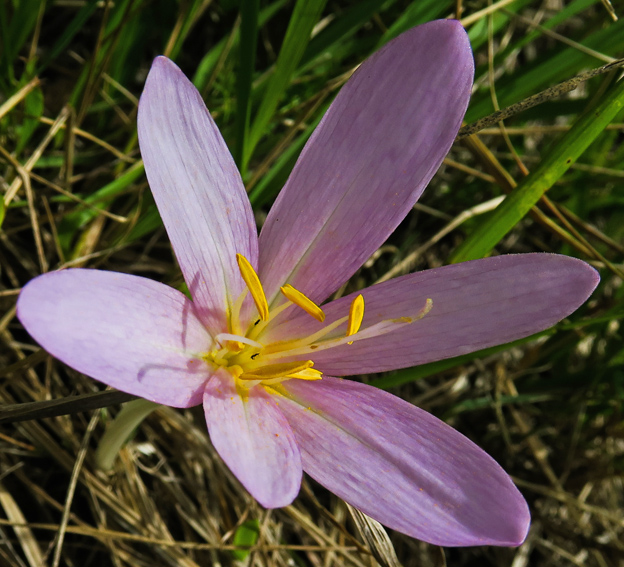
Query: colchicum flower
[[254, 345]]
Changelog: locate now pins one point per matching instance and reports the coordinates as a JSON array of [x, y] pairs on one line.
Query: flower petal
[[368, 161], [198, 190], [131, 333], [402, 466], [254, 439], [476, 305]]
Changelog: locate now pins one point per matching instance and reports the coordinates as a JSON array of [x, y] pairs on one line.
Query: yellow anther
[[356, 314], [255, 287], [304, 302], [280, 370], [307, 374]]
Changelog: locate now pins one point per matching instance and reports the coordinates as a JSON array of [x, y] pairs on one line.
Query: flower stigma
[[252, 361]]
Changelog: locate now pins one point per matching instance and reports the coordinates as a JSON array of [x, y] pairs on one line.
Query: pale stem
[[120, 430]]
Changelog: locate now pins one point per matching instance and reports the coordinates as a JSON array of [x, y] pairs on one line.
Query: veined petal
[[476, 305], [254, 439], [368, 161], [402, 466], [131, 333], [198, 190]]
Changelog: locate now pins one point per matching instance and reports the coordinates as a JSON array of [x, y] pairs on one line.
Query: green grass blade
[[305, 16], [417, 13], [478, 31], [343, 27], [148, 222], [101, 58], [188, 21], [78, 218], [274, 180], [123, 65], [247, 57], [33, 110], [208, 63], [246, 535], [6, 70], [561, 156], [69, 32], [20, 28]]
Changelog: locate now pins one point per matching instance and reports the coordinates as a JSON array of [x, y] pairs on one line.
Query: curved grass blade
[[69, 32], [561, 156], [247, 57], [305, 16], [342, 27], [16, 31], [271, 183], [101, 198], [208, 63]]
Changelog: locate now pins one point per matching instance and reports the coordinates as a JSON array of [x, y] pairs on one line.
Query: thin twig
[[548, 94], [469, 20], [18, 97], [562, 38], [62, 406], [71, 489], [34, 220], [36, 155], [408, 263]]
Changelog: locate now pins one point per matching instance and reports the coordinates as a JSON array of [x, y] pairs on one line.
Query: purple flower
[[255, 347]]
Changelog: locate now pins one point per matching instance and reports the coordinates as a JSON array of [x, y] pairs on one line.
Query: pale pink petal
[[368, 161], [476, 305], [402, 466], [254, 439], [131, 333], [198, 190]]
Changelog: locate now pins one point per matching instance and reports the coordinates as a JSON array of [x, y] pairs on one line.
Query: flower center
[[251, 360]]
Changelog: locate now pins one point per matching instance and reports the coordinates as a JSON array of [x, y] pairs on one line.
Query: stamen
[[313, 343], [282, 346], [356, 314], [308, 374], [280, 370], [261, 325], [255, 287], [304, 302]]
